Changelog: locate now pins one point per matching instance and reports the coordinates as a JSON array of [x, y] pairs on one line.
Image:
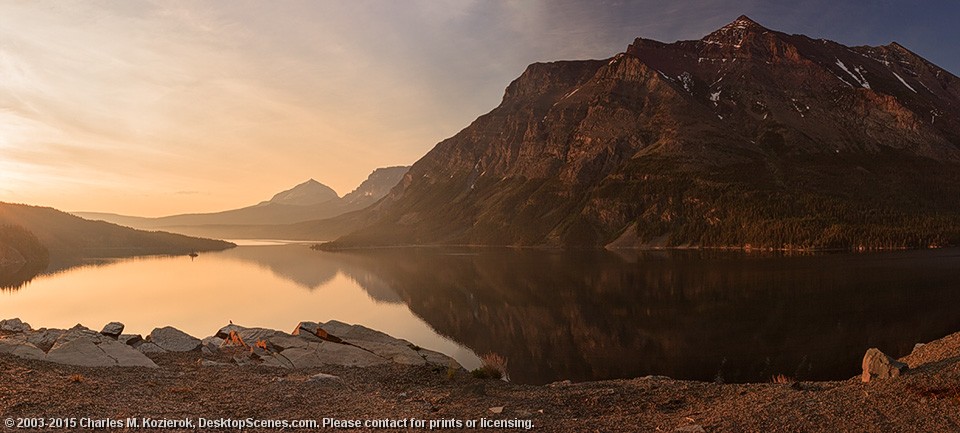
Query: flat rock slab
[[173, 340], [91, 349], [395, 349], [327, 353], [399, 353]]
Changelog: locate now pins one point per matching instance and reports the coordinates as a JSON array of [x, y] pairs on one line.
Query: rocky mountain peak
[[307, 193], [735, 32]]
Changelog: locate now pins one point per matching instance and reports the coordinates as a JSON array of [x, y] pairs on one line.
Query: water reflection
[[573, 315], [732, 317]]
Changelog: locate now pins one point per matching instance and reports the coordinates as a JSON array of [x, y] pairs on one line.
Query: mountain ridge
[[746, 137], [307, 201]]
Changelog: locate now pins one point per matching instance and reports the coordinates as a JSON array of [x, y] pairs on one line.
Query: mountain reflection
[[589, 315], [705, 316]]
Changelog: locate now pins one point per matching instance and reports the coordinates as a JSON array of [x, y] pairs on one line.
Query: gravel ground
[[925, 399]]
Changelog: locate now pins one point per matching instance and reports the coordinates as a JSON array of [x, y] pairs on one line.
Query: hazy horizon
[[159, 108]]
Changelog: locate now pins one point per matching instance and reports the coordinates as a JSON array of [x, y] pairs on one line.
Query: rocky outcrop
[[311, 345], [877, 365], [75, 346], [92, 349], [315, 344], [14, 325]]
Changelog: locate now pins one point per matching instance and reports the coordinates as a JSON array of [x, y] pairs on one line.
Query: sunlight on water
[[578, 315], [203, 295]]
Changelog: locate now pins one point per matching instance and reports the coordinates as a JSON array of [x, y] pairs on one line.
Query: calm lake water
[[554, 315]]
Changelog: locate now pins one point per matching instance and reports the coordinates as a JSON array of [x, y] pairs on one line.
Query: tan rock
[[877, 365]]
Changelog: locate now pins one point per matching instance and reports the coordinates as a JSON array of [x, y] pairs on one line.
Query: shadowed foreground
[[925, 398]]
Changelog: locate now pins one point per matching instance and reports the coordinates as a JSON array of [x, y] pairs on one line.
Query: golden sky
[[161, 107]]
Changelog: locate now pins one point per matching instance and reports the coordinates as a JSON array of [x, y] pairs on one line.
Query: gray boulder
[[210, 345], [44, 339], [130, 339], [877, 365], [91, 349], [20, 347], [113, 330], [14, 325], [173, 340]]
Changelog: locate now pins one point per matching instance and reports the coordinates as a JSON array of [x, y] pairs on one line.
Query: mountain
[[22, 256], [308, 193], [748, 137], [31, 237], [307, 201], [62, 233]]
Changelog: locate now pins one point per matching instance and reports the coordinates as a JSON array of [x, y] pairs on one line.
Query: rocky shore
[[347, 372], [310, 345]]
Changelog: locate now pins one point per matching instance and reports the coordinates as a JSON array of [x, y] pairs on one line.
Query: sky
[[154, 108]]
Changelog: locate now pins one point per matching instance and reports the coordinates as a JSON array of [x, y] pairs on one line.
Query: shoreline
[[924, 398], [745, 249]]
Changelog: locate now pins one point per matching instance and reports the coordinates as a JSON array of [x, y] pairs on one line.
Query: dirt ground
[[54, 397]]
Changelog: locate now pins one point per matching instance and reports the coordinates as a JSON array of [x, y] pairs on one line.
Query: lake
[[580, 315]]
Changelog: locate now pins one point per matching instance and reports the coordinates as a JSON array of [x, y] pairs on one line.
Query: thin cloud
[[112, 100]]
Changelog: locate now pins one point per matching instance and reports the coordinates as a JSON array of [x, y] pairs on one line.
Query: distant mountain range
[[748, 137], [31, 237], [274, 218]]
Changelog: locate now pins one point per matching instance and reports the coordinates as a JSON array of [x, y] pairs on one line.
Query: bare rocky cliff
[[747, 137]]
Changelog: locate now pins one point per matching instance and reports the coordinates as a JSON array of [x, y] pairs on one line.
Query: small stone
[[877, 365], [654, 377], [321, 377], [208, 363], [496, 409], [113, 330]]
